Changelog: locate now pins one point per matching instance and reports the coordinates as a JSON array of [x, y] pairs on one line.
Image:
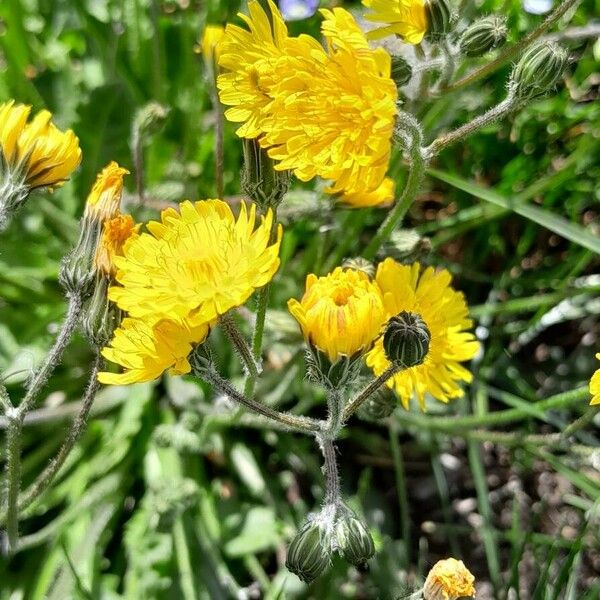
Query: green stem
[[5, 399], [493, 114], [330, 471], [219, 128], [13, 478], [261, 313], [234, 335], [513, 51], [415, 175], [501, 417], [335, 414], [297, 423], [77, 429], [370, 389]]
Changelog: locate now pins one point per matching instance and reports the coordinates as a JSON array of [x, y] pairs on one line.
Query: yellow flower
[[406, 18], [382, 196], [319, 112], [196, 264], [115, 232], [105, 198], [37, 151], [445, 312], [449, 579], [341, 313], [146, 350], [595, 385], [211, 37]]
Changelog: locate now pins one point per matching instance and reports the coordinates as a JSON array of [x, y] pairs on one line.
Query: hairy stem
[[297, 423], [5, 399], [335, 414], [16, 416], [219, 145], [513, 51], [234, 335], [415, 174], [77, 429], [261, 313], [448, 68], [493, 114], [370, 389], [13, 478], [330, 471], [53, 357]]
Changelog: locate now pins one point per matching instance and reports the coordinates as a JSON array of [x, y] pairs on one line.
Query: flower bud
[[379, 405], [406, 339], [354, 542], [538, 70], [150, 118], [439, 19], [401, 71], [309, 553], [483, 35], [449, 579], [261, 183], [358, 263], [101, 316]]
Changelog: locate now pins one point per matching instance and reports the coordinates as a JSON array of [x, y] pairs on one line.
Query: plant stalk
[[235, 336], [330, 471]]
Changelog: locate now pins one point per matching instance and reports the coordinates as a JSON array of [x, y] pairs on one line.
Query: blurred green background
[[167, 496]]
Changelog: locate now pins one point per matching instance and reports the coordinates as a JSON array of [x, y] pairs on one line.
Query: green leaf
[[570, 231]]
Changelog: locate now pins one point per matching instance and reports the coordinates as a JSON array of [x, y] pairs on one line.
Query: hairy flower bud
[[439, 19], [483, 35], [101, 317], [401, 71], [260, 181], [309, 553], [354, 542], [406, 339], [538, 70], [358, 263], [379, 405]]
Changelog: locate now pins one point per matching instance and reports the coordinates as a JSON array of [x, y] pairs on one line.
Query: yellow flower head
[[326, 112], [341, 313], [382, 196], [115, 232], [104, 200], [449, 579], [405, 18], [595, 385], [209, 45], [196, 264], [44, 155], [147, 350], [445, 312]]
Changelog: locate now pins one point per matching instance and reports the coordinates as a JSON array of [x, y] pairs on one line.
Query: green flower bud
[[101, 316], [359, 263], [539, 70], [150, 118], [483, 35], [77, 270], [378, 406], [309, 553], [401, 71], [354, 542], [331, 375], [440, 19], [260, 181], [406, 339]]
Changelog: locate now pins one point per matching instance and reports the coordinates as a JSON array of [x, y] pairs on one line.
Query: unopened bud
[[260, 181], [77, 270], [539, 70], [483, 35], [359, 263], [309, 553], [150, 118], [101, 316], [406, 339], [354, 542], [379, 405], [401, 71], [439, 19]]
